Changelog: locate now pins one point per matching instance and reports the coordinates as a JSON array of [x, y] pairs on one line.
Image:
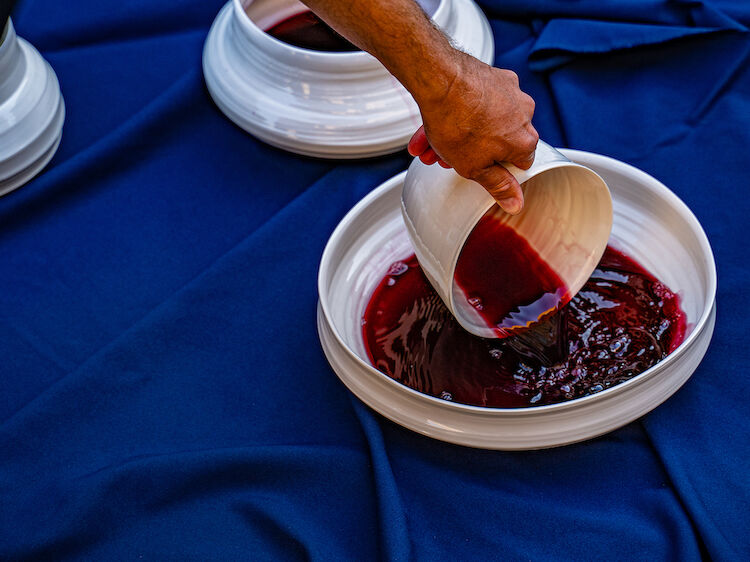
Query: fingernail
[[511, 205]]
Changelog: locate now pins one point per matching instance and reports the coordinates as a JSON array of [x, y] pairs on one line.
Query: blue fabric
[[164, 394]]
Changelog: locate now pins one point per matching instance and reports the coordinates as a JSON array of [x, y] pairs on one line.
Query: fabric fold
[[563, 40]]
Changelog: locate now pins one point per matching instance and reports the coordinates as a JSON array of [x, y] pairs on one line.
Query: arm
[[474, 115]]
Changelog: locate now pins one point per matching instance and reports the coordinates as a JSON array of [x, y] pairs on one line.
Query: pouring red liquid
[[504, 280], [622, 322]]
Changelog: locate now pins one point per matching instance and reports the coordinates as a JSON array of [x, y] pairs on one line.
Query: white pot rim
[[277, 49]]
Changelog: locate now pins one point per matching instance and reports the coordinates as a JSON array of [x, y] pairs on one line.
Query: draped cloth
[[164, 394]]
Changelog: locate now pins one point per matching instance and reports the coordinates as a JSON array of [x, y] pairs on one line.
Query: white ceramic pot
[[329, 105], [31, 111], [566, 219], [650, 224]]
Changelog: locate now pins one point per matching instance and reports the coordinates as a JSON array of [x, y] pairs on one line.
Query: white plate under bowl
[[651, 224], [328, 105]]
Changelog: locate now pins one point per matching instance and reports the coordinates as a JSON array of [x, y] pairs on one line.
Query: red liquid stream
[[504, 279], [308, 31], [619, 324]]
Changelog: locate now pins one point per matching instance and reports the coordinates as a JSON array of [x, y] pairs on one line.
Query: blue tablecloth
[[164, 394]]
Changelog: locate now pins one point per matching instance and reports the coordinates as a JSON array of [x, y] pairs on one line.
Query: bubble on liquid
[[445, 395], [663, 327], [579, 373], [476, 302], [391, 281], [496, 353], [397, 268], [596, 388], [536, 398], [524, 369], [619, 345]]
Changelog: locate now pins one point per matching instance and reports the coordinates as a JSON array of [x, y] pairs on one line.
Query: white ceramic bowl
[[329, 105], [31, 111], [566, 219], [650, 224]]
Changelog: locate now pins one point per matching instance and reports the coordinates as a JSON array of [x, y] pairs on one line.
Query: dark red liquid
[[504, 279], [622, 322], [308, 31]]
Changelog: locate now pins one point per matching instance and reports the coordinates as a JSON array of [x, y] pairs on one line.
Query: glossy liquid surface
[[308, 31], [622, 322], [504, 279]]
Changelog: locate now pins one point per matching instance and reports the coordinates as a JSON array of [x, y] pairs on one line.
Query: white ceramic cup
[[567, 219]]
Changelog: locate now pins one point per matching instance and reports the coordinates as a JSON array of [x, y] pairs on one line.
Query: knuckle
[[464, 172], [511, 75], [496, 179], [502, 187], [480, 175], [530, 141], [531, 103]]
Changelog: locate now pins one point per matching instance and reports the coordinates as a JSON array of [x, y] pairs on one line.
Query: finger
[[525, 159], [503, 187], [524, 163], [512, 76], [429, 157], [530, 104], [533, 132], [444, 164], [418, 143]]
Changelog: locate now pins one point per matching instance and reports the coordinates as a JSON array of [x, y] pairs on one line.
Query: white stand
[[329, 105], [31, 111]]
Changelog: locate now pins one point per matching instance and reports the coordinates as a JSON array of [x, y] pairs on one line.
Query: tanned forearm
[[475, 116], [399, 35]]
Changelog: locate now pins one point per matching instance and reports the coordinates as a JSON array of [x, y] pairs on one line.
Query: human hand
[[482, 119]]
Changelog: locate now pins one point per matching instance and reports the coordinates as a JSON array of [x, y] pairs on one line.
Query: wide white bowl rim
[[644, 178]]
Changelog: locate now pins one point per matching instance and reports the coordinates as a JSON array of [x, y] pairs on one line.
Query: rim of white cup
[[473, 224], [676, 204], [523, 176]]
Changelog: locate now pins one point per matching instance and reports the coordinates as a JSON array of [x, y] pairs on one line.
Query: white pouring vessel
[[567, 219]]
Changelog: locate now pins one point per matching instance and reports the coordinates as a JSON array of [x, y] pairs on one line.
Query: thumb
[[503, 187]]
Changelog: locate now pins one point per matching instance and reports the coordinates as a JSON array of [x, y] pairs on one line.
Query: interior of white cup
[[567, 220]]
